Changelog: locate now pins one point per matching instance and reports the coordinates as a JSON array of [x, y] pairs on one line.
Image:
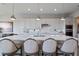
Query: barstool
[[49, 47], [30, 47], [69, 47], [8, 47]]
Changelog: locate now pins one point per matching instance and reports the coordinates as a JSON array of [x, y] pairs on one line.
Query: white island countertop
[[24, 37]]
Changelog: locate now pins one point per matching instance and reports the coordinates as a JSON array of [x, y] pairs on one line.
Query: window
[[6, 27]]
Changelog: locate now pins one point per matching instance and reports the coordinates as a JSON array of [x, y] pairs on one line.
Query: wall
[[73, 15], [21, 25]]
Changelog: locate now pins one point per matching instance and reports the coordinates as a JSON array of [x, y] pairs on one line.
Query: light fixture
[[13, 17], [38, 18], [62, 18], [41, 9], [55, 9]]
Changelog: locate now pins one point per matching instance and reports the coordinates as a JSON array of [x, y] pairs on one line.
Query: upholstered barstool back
[[30, 46], [7, 46], [69, 45], [49, 46]]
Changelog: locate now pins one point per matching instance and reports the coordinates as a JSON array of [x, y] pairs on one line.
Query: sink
[[39, 35]]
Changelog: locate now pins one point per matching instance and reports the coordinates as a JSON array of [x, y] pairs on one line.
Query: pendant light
[[40, 9], [13, 16], [38, 18], [62, 18]]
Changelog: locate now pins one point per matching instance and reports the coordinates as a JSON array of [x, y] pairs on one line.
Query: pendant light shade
[[38, 18], [13, 17], [39, 9], [62, 18]]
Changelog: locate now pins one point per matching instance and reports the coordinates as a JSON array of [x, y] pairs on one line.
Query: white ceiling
[[48, 9]]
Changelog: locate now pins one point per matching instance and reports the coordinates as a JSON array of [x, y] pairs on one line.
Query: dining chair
[[31, 47], [69, 47], [8, 47], [49, 47]]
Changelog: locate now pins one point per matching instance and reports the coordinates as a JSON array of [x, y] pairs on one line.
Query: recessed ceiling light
[[41, 9], [55, 9], [29, 9]]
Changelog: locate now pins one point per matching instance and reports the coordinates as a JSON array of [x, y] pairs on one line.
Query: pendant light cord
[[38, 7], [13, 9], [13, 17], [63, 7]]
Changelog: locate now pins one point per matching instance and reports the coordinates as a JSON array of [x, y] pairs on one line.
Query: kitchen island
[[19, 39]]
